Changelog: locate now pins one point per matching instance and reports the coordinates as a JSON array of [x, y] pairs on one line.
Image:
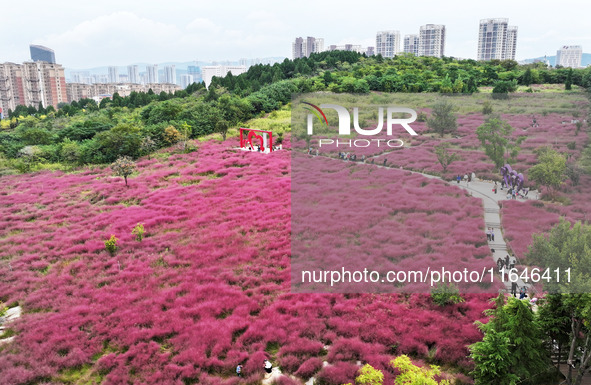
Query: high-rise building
[[297, 48], [152, 74], [432, 40], [209, 72], [32, 83], [113, 75], [41, 53], [194, 71], [133, 74], [370, 51], [511, 45], [496, 40], [411, 44], [186, 80], [169, 74], [301, 47], [388, 43], [569, 56]]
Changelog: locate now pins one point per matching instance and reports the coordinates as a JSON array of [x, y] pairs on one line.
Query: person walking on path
[[268, 366], [512, 261], [507, 261], [500, 264], [492, 234], [488, 234], [514, 289], [459, 178], [239, 370]]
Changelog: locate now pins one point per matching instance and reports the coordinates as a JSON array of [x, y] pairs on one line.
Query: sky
[[121, 32]]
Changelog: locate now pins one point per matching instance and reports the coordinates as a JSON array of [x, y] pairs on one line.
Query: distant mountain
[[585, 60]]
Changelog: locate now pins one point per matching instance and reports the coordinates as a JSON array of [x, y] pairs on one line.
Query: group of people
[[467, 178], [351, 157], [312, 151], [508, 263], [522, 291], [266, 364]]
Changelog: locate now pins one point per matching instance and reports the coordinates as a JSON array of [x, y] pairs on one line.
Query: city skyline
[[116, 34]]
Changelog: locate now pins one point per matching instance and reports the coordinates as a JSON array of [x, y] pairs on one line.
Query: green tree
[[442, 120], [527, 77], [222, 127], [511, 350], [565, 247], [444, 156], [568, 82], [566, 315], [550, 171], [502, 88], [495, 137], [147, 145], [575, 311], [70, 151], [124, 167]]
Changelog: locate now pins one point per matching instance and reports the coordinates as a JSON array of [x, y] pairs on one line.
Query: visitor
[[317, 152], [507, 261], [488, 234], [470, 177], [268, 366], [514, 289], [239, 370], [459, 178], [363, 158], [492, 234], [495, 188], [384, 162], [513, 195], [523, 292], [500, 264], [512, 261], [473, 177]]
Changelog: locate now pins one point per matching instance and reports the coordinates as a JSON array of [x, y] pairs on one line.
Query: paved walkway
[[11, 315], [492, 217]]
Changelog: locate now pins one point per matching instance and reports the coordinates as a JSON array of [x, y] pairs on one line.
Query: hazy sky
[[120, 32]]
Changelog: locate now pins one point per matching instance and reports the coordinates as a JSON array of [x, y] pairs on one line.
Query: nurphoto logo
[[344, 123]]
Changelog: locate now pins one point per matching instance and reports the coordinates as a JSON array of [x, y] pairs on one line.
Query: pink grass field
[[208, 288]]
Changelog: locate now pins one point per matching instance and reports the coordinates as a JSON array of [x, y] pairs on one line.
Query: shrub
[[444, 294], [138, 231], [111, 244], [487, 108]]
